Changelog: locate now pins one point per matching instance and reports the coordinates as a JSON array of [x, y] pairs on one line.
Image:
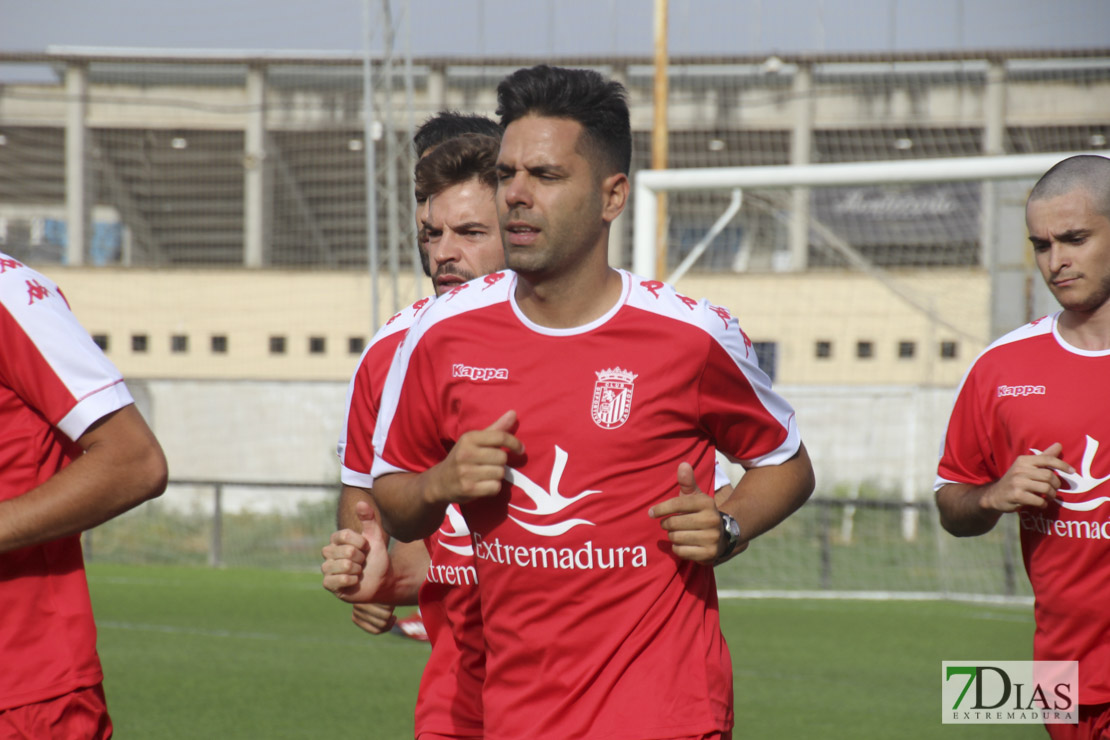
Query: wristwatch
[[730, 534]]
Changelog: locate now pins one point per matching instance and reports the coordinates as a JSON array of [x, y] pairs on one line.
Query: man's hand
[[691, 520], [475, 467], [377, 619], [968, 510], [356, 564], [1030, 481]]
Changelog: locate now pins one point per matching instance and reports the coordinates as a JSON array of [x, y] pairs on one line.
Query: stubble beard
[[1096, 300]]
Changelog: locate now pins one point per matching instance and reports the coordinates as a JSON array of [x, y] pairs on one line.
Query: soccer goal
[[867, 289]]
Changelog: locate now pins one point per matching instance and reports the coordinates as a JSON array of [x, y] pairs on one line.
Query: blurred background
[[224, 192]]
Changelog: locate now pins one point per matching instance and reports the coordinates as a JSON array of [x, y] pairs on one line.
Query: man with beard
[[461, 240], [556, 402]]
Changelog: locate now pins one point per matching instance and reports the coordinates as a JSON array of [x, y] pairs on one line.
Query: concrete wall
[[270, 431], [794, 310]]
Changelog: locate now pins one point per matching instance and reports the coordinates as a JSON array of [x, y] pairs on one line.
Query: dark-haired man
[[1030, 429], [460, 237], [555, 402], [371, 617]]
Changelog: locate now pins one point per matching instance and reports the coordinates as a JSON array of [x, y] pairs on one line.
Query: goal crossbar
[[649, 183]]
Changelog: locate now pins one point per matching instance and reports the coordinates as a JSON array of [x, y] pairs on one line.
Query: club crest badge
[[612, 400]]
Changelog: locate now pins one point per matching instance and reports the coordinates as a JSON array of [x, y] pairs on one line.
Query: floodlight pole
[[659, 133], [370, 164]]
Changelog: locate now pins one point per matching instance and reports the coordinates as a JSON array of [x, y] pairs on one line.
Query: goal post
[[649, 183], [867, 342]]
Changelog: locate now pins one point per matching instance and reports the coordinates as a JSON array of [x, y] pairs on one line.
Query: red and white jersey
[[593, 627], [1027, 391], [364, 394], [54, 383], [450, 698]]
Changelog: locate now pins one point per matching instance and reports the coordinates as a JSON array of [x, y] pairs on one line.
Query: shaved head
[[1089, 172]]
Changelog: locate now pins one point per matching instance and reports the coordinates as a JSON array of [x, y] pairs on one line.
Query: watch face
[[733, 527]]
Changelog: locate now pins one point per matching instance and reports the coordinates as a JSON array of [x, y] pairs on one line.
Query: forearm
[[410, 568], [408, 504], [122, 466], [408, 560], [766, 496], [962, 512], [349, 496]]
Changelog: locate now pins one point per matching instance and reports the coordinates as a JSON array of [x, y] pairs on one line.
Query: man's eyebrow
[[1063, 236], [469, 225], [1072, 234], [545, 169]]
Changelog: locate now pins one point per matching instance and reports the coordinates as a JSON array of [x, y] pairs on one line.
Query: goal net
[[867, 289]]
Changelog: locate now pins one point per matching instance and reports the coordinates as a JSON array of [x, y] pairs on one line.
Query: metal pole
[[659, 133], [393, 201], [370, 164], [76, 154], [216, 551], [801, 148], [410, 163], [255, 214]]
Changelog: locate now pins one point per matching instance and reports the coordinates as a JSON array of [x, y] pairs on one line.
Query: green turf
[[245, 654], [814, 549], [199, 653]]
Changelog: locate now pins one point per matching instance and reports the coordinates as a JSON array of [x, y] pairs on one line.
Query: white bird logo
[[459, 529], [546, 502], [1083, 481]]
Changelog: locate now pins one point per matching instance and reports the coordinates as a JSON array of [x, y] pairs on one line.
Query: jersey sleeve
[[355, 448], [966, 456], [364, 395], [407, 436], [747, 419], [48, 359], [720, 477]]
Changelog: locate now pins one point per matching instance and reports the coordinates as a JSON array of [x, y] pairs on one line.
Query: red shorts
[[79, 715], [1094, 724]]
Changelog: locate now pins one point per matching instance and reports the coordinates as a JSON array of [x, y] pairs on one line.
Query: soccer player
[[1029, 430], [556, 402], [1026, 431], [371, 617], [462, 240], [74, 452]]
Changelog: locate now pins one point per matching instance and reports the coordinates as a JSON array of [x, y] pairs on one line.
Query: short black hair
[[1090, 172], [582, 95], [458, 160], [441, 127], [449, 124]]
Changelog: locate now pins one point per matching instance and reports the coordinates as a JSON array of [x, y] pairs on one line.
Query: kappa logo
[[481, 374], [1082, 481], [1021, 390], [612, 400]]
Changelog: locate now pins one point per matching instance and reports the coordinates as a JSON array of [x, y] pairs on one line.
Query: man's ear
[[614, 193]]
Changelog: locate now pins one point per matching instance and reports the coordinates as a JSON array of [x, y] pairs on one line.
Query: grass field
[[234, 654]]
